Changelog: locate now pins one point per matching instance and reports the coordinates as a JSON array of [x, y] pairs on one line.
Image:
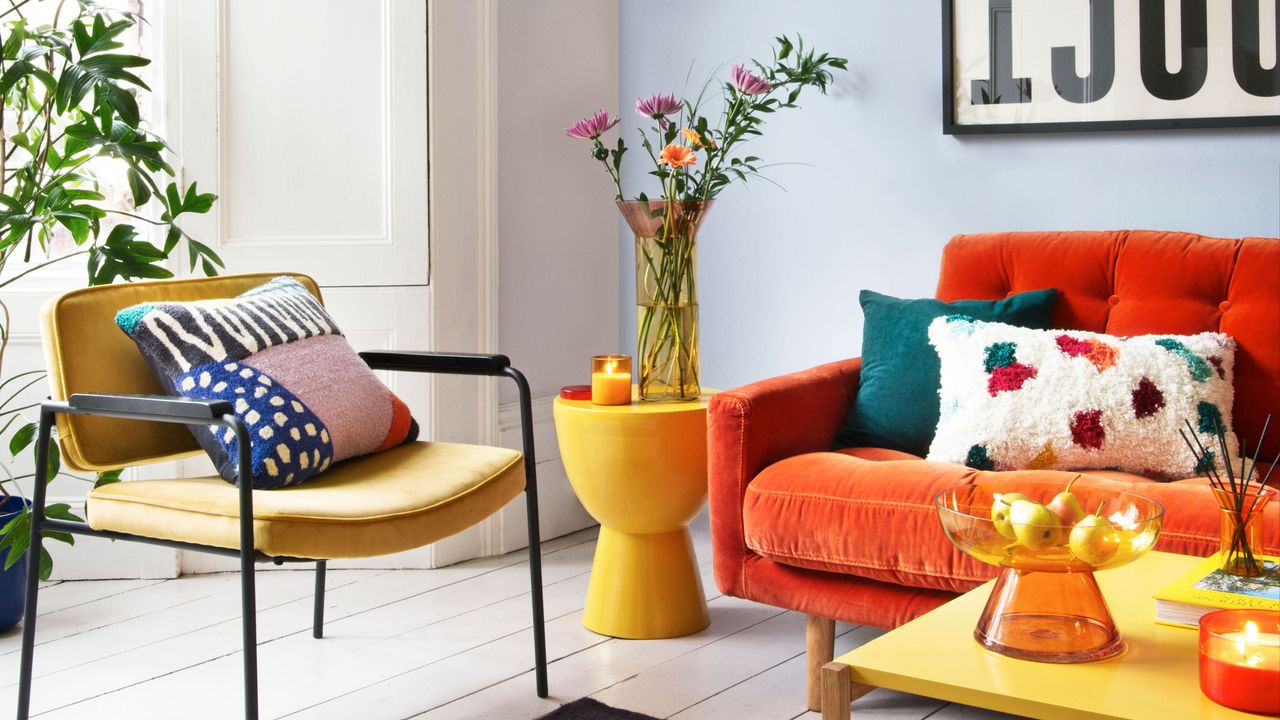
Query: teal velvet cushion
[[897, 403]]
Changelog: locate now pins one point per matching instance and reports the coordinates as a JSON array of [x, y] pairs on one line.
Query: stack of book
[[1206, 588]]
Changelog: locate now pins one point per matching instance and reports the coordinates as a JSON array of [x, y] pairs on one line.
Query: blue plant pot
[[13, 582]]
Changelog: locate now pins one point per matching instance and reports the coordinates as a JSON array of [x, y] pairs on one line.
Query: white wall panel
[[310, 118]]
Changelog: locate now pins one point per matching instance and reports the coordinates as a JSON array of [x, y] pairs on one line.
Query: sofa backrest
[[1141, 282]]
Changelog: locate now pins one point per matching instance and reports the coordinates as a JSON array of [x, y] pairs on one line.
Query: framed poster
[[1068, 65]]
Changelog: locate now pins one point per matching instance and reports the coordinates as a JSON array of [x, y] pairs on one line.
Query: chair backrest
[[1144, 282], [86, 352]]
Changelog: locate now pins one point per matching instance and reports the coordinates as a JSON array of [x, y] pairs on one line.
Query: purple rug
[[588, 709]]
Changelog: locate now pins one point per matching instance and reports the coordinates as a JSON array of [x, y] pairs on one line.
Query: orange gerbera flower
[[677, 156], [692, 137]]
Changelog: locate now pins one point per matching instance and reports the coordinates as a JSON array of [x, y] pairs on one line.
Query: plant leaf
[[46, 565], [18, 539], [22, 438], [109, 477], [55, 462], [138, 186], [61, 511], [60, 536]]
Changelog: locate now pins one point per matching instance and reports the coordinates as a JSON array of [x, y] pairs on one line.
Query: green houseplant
[[72, 131]]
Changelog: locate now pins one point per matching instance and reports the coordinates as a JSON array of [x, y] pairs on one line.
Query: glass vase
[[1240, 533], [1052, 617], [666, 235]]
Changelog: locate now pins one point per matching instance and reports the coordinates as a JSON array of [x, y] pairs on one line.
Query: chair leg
[[317, 622], [535, 536], [33, 568], [248, 599], [535, 586], [28, 640], [820, 648], [249, 618]]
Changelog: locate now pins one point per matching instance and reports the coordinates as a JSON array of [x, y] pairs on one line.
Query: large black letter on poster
[[1003, 87], [1245, 37], [1195, 54], [1102, 58]]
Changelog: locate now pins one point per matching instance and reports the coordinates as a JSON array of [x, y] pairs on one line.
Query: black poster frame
[[950, 127]]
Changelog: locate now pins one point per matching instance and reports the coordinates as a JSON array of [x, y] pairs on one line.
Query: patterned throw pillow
[[277, 356], [1019, 399]]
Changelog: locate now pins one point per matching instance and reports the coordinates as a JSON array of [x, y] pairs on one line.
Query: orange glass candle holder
[[611, 379], [1240, 659]]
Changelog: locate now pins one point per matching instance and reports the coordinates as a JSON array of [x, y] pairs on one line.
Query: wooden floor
[[448, 643]]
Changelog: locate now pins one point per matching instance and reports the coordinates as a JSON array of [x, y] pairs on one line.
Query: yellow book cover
[[1206, 588]]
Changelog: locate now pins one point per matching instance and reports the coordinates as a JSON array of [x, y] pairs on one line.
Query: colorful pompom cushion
[[1019, 399], [308, 399]]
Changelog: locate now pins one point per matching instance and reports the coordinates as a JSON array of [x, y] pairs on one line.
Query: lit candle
[[611, 379], [1240, 659]]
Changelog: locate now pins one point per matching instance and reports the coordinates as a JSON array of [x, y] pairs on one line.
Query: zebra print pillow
[[282, 362]]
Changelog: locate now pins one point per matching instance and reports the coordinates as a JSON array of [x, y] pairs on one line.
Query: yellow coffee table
[[935, 655], [641, 470]]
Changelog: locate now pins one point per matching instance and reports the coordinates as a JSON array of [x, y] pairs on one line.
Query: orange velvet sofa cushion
[[869, 512], [853, 535]]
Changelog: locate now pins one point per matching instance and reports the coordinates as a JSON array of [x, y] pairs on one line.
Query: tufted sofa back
[[1142, 282]]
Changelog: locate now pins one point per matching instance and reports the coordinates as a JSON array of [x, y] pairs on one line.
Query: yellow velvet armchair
[[109, 413]]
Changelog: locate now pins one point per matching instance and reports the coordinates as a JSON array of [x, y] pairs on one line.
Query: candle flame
[[1244, 644], [609, 366]]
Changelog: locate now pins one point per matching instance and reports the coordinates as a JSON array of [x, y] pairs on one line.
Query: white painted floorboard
[[453, 643]]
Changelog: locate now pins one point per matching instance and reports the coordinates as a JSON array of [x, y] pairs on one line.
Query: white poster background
[[1040, 25]]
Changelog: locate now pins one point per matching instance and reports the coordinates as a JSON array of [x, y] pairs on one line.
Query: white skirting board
[[100, 559]]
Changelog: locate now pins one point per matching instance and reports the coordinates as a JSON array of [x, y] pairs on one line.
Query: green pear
[[1066, 506], [1034, 525], [1000, 512], [1094, 540]]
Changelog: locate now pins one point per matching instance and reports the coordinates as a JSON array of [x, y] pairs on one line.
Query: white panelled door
[[308, 118]]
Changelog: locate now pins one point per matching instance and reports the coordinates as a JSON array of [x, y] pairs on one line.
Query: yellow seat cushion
[[400, 499]]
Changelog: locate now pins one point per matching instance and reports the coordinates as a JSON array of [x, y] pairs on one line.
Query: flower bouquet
[[693, 160]]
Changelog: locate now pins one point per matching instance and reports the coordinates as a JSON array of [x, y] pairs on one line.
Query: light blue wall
[[780, 272]]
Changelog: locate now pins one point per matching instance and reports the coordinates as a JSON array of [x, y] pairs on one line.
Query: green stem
[[602, 154]]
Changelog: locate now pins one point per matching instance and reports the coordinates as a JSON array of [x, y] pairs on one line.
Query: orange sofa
[[852, 535]]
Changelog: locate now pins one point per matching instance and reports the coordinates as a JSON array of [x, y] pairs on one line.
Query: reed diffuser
[[1241, 495]]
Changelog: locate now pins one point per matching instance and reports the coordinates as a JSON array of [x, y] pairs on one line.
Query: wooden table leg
[[839, 691]]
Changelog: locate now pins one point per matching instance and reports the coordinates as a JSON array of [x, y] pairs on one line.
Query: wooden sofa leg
[[819, 648]]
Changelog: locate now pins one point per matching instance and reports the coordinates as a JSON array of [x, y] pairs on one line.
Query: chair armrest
[[159, 408], [756, 425], [437, 362]]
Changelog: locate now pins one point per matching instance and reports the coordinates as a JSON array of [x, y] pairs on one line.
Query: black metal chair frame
[[219, 412]]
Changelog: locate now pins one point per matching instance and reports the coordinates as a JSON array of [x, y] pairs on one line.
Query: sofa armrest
[[756, 425]]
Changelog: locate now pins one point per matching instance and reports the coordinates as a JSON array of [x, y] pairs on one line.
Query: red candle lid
[[576, 392]]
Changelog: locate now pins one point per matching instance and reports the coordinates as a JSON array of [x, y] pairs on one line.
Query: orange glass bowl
[[1046, 605]]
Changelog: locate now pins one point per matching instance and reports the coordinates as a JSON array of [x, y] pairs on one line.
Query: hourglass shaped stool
[[641, 470]]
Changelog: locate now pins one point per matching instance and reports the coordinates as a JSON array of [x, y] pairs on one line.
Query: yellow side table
[[641, 471]]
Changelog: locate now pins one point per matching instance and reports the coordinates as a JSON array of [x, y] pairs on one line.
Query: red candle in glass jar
[[1240, 659]]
